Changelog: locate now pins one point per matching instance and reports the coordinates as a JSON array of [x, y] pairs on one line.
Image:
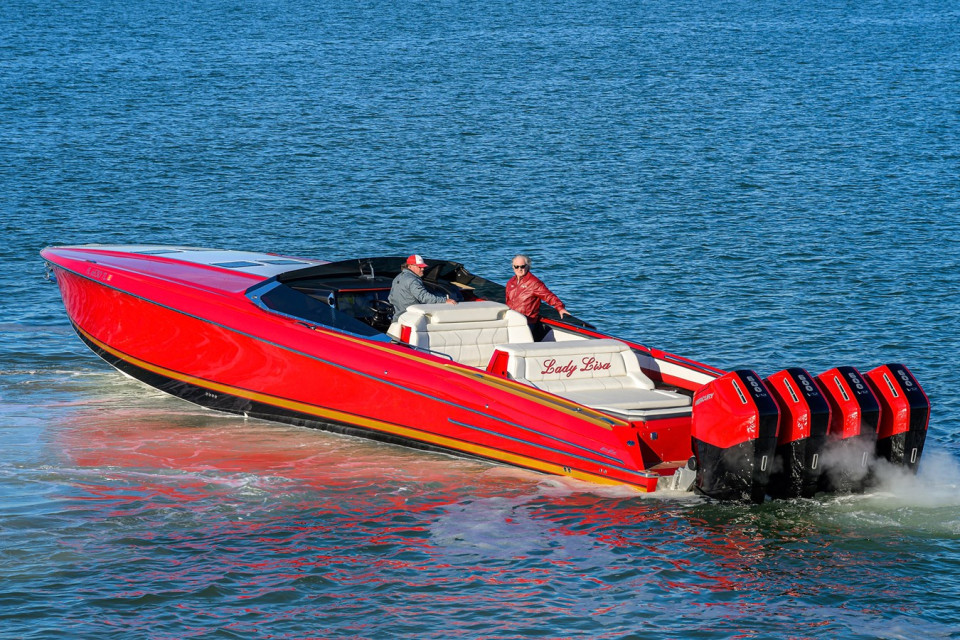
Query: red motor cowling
[[904, 414], [734, 434], [804, 420], [852, 436]]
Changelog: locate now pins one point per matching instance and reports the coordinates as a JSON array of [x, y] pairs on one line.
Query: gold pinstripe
[[339, 416]]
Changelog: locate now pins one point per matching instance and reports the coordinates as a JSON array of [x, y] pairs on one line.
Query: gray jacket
[[408, 289]]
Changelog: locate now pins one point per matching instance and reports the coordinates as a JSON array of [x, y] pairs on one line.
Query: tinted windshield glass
[[283, 299]]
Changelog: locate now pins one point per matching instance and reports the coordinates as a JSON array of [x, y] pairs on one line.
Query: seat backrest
[[467, 332], [575, 365]]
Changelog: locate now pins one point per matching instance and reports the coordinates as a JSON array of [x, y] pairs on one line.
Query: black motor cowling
[[804, 419], [734, 435], [852, 435], [904, 415]]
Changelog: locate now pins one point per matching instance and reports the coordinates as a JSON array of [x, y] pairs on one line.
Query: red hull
[[191, 331], [276, 338]]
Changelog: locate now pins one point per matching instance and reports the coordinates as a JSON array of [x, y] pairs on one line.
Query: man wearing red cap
[[524, 293], [408, 288]]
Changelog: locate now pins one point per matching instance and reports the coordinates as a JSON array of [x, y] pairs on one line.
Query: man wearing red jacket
[[524, 293]]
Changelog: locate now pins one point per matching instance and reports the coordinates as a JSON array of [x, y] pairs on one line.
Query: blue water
[[749, 184]]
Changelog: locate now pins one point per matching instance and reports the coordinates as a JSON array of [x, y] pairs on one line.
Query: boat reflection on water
[[221, 449], [277, 519]]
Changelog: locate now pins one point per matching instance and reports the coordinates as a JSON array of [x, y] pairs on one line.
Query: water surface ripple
[[750, 184]]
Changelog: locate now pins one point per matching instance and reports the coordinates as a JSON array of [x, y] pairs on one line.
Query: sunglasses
[[521, 266]]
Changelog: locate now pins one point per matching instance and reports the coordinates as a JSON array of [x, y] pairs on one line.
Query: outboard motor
[[852, 436], [904, 414], [734, 434], [804, 420]]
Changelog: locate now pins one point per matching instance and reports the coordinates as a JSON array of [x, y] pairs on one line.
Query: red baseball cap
[[416, 261]]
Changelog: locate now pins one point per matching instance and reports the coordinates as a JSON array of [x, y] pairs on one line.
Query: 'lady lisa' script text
[[588, 363]]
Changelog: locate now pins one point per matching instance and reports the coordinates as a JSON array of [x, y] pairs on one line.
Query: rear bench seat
[[602, 374], [467, 332]]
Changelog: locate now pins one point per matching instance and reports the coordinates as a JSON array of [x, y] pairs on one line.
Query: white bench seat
[[467, 332], [602, 374]]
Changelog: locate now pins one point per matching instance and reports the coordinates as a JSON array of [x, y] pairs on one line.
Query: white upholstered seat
[[603, 374], [468, 332]]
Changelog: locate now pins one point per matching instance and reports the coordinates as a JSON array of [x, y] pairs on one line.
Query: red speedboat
[[313, 343]]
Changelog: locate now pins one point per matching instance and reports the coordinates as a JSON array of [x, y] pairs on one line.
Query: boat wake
[[924, 506], [935, 484]]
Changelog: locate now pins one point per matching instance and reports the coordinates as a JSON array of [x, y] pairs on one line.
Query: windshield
[[280, 298]]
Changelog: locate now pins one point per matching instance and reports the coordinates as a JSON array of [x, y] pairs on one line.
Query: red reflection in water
[[199, 443], [354, 520]]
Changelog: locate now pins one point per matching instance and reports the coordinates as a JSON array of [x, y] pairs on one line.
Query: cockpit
[[352, 295]]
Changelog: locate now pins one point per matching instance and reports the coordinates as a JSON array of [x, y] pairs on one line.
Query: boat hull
[[292, 340], [226, 354]]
